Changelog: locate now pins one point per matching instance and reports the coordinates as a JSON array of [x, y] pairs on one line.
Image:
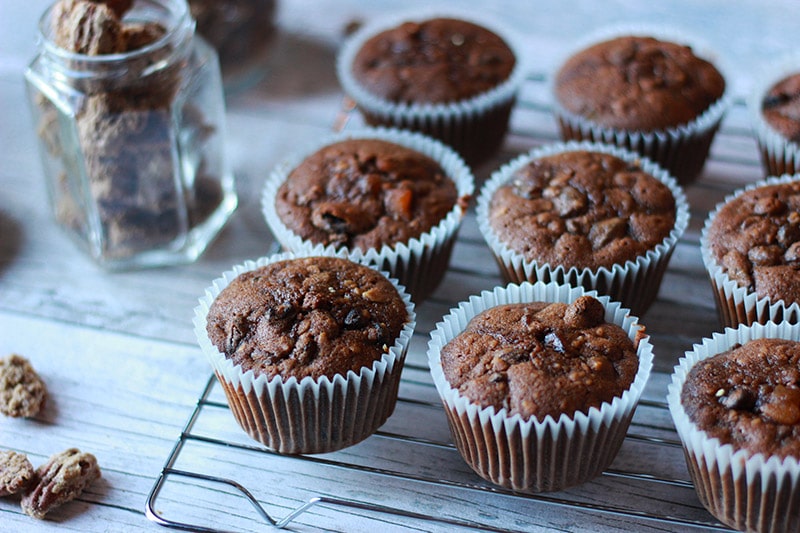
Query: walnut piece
[[16, 473], [22, 391], [61, 479]]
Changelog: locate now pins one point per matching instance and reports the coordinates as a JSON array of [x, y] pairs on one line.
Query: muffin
[[751, 249], [585, 214], [308, 349], [449, 77], [242, 32], [736, 405], [395, 199], [774, 105], [650, 94], [539, 382]]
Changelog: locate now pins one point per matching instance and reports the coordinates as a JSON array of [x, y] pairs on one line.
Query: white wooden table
[[124, 373]]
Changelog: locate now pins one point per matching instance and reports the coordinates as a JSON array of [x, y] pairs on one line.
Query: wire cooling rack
[[411, 464]]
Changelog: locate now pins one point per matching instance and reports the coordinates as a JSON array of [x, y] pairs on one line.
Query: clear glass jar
[[133, 143]]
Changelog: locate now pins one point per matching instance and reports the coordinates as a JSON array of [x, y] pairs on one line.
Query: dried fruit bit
[[22, 391], [61, 479], [16, 473]]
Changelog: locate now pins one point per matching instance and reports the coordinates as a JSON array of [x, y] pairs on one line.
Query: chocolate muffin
[[749, 397], [438, 60], [586, 214], [308, 349], [638, 83], [541, 359], [754, 238], [781, 107], [582, 209], [365, 193], [241, 31], [774, 105], [539, 382], [446, 76], [393, 198], [313, 316], [735, 402], [624, 89]]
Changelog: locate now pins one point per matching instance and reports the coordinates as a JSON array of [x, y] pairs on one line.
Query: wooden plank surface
[[118, 354]]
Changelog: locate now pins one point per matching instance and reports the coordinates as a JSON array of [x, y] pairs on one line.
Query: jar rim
[[178, 23]]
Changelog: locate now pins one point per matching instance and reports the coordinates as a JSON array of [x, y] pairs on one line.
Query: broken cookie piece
[[22, 391], [16, 472], [63, 478]]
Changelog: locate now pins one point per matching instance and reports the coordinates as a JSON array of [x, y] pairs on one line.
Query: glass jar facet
[[133, 143]]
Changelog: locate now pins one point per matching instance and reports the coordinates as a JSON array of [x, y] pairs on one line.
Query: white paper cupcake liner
[[306, 416], [736, 304], [474, 127], [420, 263], [749, 492], [779, 155], [682, 150], [537, 455], [634, 283]]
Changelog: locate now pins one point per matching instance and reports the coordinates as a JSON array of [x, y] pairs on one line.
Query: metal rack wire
[[656, 439], [169, 472]]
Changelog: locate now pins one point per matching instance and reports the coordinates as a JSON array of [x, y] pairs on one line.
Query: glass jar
[[133, 143]]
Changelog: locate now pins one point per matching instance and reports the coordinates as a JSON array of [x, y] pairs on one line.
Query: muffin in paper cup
[[474, 126], [419, 263], [310, 415], [745, 490], [737, 304], [534, 454], [779, 154], [681, 149], [634, 283]]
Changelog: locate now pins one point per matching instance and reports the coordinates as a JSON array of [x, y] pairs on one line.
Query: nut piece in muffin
[[365, 193], [582, 209], [22, 391], [755, 239], [749, 397], [538, 359], [16, 473], [438, 60], [310, 316], [638, 83]]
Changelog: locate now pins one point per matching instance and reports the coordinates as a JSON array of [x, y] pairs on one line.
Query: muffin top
[[582, 209], [439, 60], [749, 397], [312, 316], [538, 359], [638, 83], [755, 238], [364, 193], [781, 107]]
